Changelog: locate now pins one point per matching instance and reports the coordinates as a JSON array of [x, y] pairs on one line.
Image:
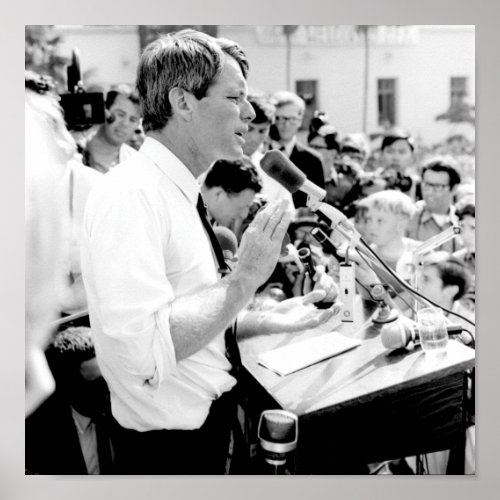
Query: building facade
[[364, 78]]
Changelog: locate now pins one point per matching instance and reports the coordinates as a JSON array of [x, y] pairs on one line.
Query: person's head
[[466, 213], [289, 114], [355, 147], [258, 128], [229, 189], [71, 357], [49, 148], [324, 141], [397, 151], [439, 180], [360, 218], [196, 84], [389, 212], [122, 115], [444, 279]]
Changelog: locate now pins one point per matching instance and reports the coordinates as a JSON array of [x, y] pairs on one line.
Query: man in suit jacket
[[288, 119], [70, 432]]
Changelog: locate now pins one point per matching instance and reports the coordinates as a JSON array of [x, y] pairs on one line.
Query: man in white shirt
[[157, 306], [108, 146]]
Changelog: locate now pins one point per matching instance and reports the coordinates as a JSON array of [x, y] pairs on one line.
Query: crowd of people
[[133, 308]]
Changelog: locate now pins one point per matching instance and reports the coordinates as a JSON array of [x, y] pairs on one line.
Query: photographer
[[108, 146], [397, 156]]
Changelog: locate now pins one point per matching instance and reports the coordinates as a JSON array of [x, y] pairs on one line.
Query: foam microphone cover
[[394, 335], [227, 239], [278, 427], [280, 168]]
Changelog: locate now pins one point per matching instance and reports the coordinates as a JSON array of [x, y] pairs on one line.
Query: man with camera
[[108, 146]]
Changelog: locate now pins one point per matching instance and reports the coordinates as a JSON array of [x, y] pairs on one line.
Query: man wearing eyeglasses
[[436, 212], [288, 119]]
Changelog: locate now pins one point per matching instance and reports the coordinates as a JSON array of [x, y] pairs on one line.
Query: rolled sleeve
[[129, 293]]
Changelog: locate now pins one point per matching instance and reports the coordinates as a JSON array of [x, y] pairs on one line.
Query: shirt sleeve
[[123, 266]]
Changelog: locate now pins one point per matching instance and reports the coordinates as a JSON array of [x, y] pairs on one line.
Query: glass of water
[[431, 324]]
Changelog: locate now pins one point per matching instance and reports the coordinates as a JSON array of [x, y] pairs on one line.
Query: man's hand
[[291, 315], [261, 243]]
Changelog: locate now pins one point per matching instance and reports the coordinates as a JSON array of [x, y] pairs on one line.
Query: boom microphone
[[281, 169], [400, 333]]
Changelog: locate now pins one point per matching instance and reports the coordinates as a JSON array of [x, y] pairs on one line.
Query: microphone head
[[227, 240], [281, 169], [277, 433], [395, 335]]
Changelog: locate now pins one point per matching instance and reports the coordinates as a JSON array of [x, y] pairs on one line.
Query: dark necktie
[[104, 445], [232, 350]]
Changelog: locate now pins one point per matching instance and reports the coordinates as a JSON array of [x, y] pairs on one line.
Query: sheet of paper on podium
[[294, 357]]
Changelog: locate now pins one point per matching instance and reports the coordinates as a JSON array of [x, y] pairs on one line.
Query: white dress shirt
[[143, 246]]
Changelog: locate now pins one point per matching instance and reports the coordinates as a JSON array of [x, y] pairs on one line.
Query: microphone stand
[[426, 248]]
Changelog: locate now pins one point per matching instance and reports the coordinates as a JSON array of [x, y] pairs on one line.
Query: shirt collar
[[427, 215], [172, 167], [288, 146], [81, 421]]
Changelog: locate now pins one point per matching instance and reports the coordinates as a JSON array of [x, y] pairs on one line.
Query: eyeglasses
[[435, 187], [287, 119]]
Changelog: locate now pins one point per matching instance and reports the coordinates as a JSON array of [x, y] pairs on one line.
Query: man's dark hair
[[189, 60], [329, 134], [234, 176], [443, 164], [392, 137], [123, 90], [69, 349], [452, 272], [264, 108]]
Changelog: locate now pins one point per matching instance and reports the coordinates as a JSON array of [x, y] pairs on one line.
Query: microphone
[[228, 243], [326, 244], [306, 259], [277, 432], [400, 333], [281, 169]]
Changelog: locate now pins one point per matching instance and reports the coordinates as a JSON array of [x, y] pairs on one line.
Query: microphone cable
[[407, 286]]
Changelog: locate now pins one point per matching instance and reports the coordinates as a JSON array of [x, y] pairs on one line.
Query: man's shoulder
[[303, 153], [305, 150]]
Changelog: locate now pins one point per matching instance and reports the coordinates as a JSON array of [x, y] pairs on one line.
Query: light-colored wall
[[422, 68], [108, 54], [422, 63]]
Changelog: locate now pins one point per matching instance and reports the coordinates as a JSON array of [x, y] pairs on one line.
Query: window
[[386, 91], [458, 89]]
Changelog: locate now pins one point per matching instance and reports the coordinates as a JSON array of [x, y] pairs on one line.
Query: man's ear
[[182, 103]]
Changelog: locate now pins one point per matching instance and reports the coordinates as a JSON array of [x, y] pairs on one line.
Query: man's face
[[220, 119], [90, 392], [432, 285], [468, 232], [288, 121], [436, 191], [383, 227], [328, 155], [228, 208], [126, 120], [398, 155], [256, 135]]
